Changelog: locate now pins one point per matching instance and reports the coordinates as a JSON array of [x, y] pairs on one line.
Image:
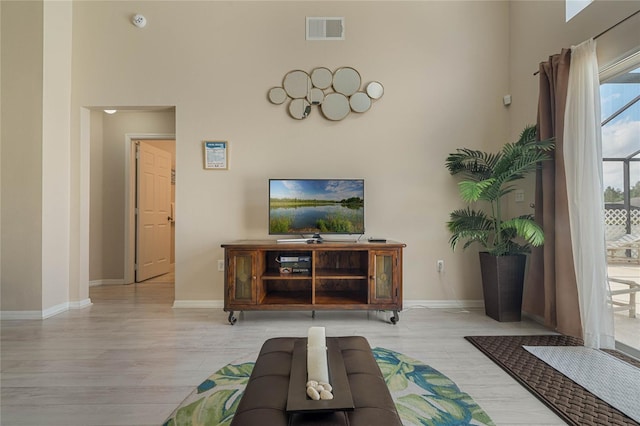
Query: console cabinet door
[[241, 278], [383, 276]]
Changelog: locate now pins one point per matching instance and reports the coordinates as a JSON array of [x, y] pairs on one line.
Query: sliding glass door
[[620, 100]]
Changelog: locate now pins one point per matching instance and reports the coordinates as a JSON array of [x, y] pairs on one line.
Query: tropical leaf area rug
[[423, 396], [573, 403]]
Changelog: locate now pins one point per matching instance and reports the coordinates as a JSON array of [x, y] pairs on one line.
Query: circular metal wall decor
[[315, 96], [277, 95], [335, 106], [299, 108], [375, 90], [360, 102], [322, 78], [346, 81], [335, 93], [297, 84]]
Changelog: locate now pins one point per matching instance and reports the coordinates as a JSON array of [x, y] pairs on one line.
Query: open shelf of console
[[267, 275]]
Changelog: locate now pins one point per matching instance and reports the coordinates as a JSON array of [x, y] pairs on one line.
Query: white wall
[[97, 206], [56, 149]]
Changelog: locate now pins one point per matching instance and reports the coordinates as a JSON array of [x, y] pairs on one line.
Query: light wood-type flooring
[[130, 358], [627, 330]]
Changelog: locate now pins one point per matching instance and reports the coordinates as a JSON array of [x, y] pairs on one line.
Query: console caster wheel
[[232, 319], [395, 318]]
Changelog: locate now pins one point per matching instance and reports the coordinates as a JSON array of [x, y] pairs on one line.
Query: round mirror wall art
[[346, 81], [360, 102], [336, 93], [375, 90], [299, 108], [297, 84], [277, 95], [335, 106], [315, 96], [321, 78]]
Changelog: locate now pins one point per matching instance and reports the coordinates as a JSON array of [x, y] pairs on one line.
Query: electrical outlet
[[440, 265], [519, 195], [220, 265]]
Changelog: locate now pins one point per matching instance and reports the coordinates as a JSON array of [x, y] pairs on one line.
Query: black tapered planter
[[502, 284]]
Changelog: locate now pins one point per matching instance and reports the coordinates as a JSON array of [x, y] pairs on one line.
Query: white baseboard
[[408, 304], [46, 313], [95, 283], [81, 304], [55, 310], [445, 304], [198, 304]]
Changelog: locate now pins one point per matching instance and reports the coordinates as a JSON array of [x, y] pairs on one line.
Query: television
[[316, 206]]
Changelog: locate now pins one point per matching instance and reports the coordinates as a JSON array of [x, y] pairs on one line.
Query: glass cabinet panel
[[243, 280], [383, 273]]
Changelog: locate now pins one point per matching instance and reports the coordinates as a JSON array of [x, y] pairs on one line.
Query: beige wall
[[445, 67], [22, 117], [183, 58]]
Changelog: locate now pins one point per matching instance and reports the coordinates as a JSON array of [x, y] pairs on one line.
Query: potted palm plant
[[505, 241]]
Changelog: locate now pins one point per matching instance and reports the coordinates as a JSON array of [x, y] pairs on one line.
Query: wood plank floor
[[131, 358]]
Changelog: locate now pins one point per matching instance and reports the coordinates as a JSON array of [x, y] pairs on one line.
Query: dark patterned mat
[[573, 403]]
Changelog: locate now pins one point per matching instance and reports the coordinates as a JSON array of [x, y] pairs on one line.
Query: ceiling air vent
[[323, 28]]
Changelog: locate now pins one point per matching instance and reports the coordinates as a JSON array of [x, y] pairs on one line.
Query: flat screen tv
[[316, 206]]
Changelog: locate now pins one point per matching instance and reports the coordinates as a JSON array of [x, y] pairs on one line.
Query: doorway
[[106, 232]]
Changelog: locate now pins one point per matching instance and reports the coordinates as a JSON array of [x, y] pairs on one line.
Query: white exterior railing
[[616, 223]]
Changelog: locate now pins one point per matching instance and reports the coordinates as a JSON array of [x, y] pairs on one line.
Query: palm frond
[[473, 164], [488, 177], [528, 135], [470, 225], [525, 228], [471, 191]]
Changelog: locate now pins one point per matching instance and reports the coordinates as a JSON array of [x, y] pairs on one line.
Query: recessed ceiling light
[[110, 111]]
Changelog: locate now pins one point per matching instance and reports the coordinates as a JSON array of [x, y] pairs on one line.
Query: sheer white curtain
[[583, 165]]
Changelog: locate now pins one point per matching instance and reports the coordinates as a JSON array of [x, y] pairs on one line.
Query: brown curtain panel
[[551, 292]]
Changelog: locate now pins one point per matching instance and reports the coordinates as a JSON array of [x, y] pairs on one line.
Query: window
[[620, 104], [573, 7]]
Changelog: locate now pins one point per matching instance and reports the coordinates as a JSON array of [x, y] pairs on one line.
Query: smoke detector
[[139, 20]]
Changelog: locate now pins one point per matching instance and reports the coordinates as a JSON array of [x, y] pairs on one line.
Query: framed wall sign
[[216, 155]]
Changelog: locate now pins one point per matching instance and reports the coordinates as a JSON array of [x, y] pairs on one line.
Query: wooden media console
[[339, 276]]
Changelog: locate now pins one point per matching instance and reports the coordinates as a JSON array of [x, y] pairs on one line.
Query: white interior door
[[153, 221]]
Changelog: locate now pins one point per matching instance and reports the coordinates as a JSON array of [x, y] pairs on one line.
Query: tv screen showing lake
[[327, 218], [300, 206]]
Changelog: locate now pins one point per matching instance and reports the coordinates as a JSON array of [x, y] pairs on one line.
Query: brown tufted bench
[[265, 398]]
